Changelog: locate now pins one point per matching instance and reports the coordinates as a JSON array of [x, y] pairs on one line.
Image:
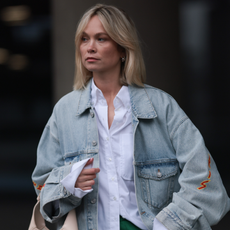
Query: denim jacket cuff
[[172, 221], [53, 191]]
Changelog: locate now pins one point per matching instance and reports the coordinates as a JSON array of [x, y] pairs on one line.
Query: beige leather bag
[[38, 223]]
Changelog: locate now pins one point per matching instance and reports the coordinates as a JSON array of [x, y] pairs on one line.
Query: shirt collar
[[96, 94], [122, 98], [141, 105]]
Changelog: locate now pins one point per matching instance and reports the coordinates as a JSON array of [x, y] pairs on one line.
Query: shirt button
[[110, 159], [93, 201], [107, 138], [94, 143], [92, 114], [114, 198]]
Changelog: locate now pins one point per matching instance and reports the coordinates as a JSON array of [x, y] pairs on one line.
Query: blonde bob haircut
[[122, 30]]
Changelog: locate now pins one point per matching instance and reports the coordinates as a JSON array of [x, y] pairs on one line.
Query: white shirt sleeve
[[69, 181], [157, 225]]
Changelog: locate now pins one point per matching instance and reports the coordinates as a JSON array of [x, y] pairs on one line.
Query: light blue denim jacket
[[176, 179]]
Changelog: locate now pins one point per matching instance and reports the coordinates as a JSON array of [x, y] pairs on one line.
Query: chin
[[92, 70], [96, 70]]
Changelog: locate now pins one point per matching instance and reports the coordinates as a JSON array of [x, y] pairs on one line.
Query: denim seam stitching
[[177, 127], [79, 103], [175, 218], [133, 107], [55, 138], [150, 102]]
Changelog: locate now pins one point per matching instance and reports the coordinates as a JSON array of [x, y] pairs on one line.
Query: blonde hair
[[122, 30]]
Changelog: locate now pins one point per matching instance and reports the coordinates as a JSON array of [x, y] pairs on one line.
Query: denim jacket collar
[[141, 108], [84, 101]]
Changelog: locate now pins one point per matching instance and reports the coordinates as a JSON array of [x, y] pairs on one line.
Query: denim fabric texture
[[176, 179]]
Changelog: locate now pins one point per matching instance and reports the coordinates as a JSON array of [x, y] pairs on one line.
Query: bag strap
[[38, 223], [70, 221]]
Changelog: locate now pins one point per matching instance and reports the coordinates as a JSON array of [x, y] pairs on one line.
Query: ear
[[122, 51], [123, 54]]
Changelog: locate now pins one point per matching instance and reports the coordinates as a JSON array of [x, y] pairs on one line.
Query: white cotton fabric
[[157, 225], [70, 179], [116, 194]]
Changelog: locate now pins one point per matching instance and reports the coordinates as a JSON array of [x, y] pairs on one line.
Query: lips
[[91, 59]]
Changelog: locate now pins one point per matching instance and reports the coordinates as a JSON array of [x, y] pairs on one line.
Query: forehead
[[94, 26]]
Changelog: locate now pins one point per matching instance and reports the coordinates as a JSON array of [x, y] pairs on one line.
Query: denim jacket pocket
[[157, 181]]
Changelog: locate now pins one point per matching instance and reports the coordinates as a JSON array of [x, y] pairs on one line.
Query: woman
[[121, 153]]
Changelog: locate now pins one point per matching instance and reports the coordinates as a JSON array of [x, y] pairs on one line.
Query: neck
[[109, 86]]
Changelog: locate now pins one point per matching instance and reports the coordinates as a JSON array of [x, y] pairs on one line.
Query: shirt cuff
[[69, 181], [157, 225]]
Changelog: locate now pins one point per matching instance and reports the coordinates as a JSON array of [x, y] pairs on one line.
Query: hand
[[85, 180]]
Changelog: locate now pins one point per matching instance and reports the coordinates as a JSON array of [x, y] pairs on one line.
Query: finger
[[90, 161], [84, 184], [86, 177], [86, 188], [90, 171], [88, 183]]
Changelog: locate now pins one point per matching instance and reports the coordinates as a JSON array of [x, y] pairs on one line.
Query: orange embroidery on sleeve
[[39, 187], [209, 161], [34, 184], [209, 175], [203, 184]]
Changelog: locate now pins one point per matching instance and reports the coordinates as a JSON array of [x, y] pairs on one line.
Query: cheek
[[82, 54], [112, 53], [81, 51]]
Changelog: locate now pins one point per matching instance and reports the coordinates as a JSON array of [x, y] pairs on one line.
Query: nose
[[91, 47]]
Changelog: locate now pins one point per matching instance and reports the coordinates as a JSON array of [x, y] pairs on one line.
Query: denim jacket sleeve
[[48, 173], [202, 199]]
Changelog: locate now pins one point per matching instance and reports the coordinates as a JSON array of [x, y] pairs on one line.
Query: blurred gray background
[[186, 46]]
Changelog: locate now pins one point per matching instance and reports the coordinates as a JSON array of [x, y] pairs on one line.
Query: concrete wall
[[158, 26]]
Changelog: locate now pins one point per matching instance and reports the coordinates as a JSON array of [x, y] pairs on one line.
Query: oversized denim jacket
[[176, 179]]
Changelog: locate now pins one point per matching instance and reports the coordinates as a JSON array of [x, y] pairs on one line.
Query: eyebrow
[[97, 34]]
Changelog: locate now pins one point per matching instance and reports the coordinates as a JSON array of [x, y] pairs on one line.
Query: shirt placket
[[112, 184], [113, 187], [113, 175]]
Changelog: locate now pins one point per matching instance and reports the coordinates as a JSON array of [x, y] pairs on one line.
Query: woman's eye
[[101, 39], [84, 39]]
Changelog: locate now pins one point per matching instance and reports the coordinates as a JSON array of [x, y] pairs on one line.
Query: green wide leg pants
[[127, 225]]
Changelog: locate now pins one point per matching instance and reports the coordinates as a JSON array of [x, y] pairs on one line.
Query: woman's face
[[99, 53]]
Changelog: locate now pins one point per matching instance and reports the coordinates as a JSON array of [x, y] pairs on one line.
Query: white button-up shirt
[[116, 191], [116, 182]]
